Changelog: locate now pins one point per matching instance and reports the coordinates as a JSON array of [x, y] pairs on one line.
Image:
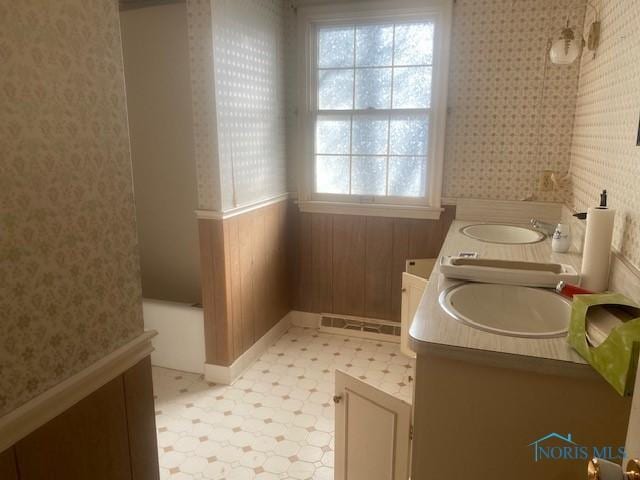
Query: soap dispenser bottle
[[561, 240]]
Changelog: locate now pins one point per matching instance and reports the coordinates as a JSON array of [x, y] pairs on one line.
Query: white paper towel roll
[[596, 256]]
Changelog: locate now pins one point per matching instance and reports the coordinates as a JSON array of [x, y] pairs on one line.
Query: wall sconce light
[[567, 45]]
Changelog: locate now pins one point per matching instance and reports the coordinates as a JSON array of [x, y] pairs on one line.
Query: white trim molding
[[371, 209], [27, 418], [226, 375], [233, 212]]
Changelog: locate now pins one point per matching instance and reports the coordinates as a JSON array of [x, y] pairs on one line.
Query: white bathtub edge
[[179, 344]]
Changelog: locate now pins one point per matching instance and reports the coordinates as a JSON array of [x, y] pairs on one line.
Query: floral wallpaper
[[604, 154], [69, 274], [510, 116]]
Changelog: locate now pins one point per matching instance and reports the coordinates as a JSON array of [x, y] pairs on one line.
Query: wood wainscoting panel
[[277, 277], [304, 279], [321, 256], [352, 265], [399, 255], [378, 277], [246, 278], [141, 420], [233, 316], [245, 324], [348, 266], [8, 465], [89, 440], [260, 272], [257, 279], [213, 265]]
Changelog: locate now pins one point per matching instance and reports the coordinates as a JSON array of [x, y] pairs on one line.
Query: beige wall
[[69, 275], [352, 265], [509, 117], [237, 53], [604, 154], [156, 60]]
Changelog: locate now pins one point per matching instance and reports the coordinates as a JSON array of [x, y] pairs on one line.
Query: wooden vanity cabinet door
[[412, 289], [372, 432]]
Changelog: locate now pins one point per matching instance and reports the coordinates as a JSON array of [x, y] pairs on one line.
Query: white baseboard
[[227, 375], [304, 319], [27, 418]]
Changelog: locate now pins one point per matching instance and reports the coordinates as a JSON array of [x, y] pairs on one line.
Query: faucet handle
[[602, 470]]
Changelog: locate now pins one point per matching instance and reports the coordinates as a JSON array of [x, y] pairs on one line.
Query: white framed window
[[373, 108]]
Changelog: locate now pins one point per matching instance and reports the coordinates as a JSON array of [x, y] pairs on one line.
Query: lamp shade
[[566, 48]]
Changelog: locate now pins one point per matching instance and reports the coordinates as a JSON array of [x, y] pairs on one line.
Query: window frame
[[310, 18]]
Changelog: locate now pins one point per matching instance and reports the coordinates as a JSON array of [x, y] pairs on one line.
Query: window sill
[[371, 209]]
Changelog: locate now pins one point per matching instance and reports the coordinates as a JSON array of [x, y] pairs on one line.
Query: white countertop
[[433, 331]]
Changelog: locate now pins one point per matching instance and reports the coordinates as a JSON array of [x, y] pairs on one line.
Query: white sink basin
[[498, 233], [508, 309]]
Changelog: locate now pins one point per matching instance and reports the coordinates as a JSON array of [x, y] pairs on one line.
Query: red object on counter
[[568, 290]]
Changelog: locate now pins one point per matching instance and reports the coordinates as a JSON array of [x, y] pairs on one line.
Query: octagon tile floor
[[277, 420]]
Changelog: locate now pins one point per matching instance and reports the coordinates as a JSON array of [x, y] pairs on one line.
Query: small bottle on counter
[[567, 290], [561, 240]]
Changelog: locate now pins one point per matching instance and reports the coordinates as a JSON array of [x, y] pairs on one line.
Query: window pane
[[332, 135], [335, 47], [412, 87], [374, 44], [332, 174], [335, 89], [373, 88], [368, 175], [407, 176], [414, 44], [408, 135], [370, 135]]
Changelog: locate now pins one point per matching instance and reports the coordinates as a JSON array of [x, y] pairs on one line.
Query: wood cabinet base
[[474, 421]]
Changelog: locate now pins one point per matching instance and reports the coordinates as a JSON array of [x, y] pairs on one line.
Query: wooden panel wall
[[108, 435], [258, 266], [141, 421], [217, 333], [8, 469], [245, 278], [353, 265]]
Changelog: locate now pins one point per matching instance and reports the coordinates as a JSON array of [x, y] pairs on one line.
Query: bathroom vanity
[[482, 400]]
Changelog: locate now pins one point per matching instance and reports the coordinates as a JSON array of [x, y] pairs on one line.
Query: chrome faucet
[[546, 228]]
